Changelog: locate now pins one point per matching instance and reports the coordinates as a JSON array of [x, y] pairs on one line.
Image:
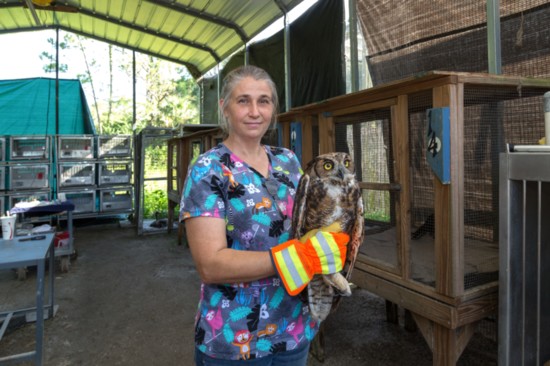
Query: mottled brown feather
[[323, 197]]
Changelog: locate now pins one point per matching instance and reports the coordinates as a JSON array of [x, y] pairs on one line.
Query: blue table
[[20, 252]]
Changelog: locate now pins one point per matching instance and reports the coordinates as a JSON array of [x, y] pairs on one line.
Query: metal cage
[[524, 299]]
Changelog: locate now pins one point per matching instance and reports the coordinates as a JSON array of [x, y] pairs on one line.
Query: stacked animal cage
[[426, 155], [27, 169], [95, 173], [76, 172], [116, 193]]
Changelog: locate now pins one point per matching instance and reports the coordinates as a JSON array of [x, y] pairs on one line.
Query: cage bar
[[76, 174], [29, 147], [114, 146], [75, 147], [28, 176], [2, 148], [524, 300], [2, 177], [112, 172], [84, 200], [116, 199], [15, 198]]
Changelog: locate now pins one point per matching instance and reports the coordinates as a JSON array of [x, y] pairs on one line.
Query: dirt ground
[[130, 300]]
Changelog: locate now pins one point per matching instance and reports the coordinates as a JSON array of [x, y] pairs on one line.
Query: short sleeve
[[204, 190]]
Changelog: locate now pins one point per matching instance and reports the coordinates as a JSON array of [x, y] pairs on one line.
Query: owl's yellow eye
[[346, 163], [328, 165]]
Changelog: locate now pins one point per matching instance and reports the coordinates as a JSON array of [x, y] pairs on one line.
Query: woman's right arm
[[215, 262]]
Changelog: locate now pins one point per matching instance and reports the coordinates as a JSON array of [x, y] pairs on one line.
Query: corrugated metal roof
[[195, 33]]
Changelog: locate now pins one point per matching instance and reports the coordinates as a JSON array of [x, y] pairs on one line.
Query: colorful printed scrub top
[[255, 319]]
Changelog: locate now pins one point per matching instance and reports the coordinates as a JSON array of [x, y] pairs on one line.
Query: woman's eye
[[327, 166]]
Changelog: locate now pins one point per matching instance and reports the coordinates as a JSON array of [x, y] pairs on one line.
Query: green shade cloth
[[27, 107]]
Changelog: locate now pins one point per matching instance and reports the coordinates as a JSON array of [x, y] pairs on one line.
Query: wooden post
[[400, 136], [307, 139], [449, 220], [326, 133]]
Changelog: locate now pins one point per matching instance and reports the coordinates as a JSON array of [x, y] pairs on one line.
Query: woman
[[237, 206]]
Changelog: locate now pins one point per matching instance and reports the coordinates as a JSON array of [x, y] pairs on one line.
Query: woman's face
[[250, 109]]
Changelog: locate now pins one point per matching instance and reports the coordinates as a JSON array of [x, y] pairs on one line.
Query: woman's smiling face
[[250, 109]]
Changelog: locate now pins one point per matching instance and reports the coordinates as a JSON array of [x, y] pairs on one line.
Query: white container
[[76, 174], [28, 176], [75, 147], [8, 227]]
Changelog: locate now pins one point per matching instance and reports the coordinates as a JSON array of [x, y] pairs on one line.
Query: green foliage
[[156, 158], [377, 216], [155, 204]]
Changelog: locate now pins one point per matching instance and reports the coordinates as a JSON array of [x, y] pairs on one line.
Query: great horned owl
[[328, 193]]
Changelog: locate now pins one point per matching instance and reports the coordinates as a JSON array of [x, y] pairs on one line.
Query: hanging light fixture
[[42, 2]]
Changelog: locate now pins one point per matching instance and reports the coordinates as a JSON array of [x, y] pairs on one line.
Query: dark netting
[[492, 117], [406, 38], [367, 137], [422, 261]]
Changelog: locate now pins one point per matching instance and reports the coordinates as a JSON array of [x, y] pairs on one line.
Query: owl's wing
[[299, 209], [356, 238]]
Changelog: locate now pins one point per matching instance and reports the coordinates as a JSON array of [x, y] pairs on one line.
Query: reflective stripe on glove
[[297, 262]]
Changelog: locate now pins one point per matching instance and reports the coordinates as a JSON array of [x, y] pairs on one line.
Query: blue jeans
[[296, 357]]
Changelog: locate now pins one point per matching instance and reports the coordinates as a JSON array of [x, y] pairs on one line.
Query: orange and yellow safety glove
[[321, 253]]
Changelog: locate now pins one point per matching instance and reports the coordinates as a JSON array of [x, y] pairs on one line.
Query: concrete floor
[[130, 300]]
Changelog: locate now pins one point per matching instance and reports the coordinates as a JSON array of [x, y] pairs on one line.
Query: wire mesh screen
[[422, 260], [367, 138], [406, 38], [492, 117]]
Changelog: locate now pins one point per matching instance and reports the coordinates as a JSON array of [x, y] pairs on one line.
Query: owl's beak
[[340, 173]]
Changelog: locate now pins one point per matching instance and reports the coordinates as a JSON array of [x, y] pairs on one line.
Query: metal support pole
[[219, 90], [493, 37], [134, 94], [354, 67], [57, 81], [288, 89]]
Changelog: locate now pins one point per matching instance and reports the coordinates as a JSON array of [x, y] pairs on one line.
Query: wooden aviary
[[431, 245]]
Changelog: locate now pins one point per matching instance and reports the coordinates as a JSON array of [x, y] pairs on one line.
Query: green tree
[[50, 58]]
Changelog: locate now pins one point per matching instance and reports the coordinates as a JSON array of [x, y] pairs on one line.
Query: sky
[[24, 48]]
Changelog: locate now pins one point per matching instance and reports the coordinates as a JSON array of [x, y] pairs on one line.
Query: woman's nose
[[253, 110]]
